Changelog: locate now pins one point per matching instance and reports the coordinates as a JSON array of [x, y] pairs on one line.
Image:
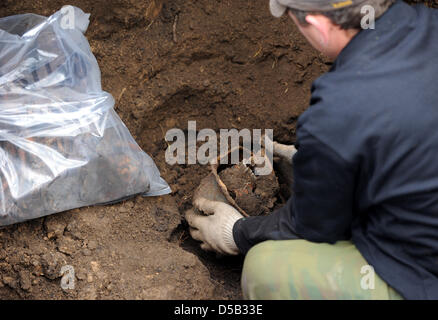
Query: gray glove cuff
[[227, 234]]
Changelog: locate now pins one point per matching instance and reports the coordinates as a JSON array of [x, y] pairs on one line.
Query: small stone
[[171, 123], [95, 266], [92, 245], [10, 282], [75, 230], [51, 265], [2, 254], [25, 281], [89, 293], [55, 226], [81, 275], [66, 245]]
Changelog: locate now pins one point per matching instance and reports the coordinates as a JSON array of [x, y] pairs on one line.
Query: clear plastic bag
[[62, 146]]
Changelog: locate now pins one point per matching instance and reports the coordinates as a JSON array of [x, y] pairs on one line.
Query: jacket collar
[[390, 28]]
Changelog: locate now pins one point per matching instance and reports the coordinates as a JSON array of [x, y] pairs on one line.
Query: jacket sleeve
[[321, 208]]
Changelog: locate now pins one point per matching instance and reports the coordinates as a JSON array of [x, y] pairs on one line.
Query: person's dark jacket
[[367, 162]]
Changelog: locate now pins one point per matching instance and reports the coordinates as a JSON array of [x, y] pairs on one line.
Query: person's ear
[[322, 25]]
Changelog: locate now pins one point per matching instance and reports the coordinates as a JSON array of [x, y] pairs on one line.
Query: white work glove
[[214, 230], [283, 151], [284, 154]]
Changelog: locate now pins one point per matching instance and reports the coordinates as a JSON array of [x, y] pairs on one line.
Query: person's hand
[[283, 155], [284, 162], [284, 151], [214, 230]]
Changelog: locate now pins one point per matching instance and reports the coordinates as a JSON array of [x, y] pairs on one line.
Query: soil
[[224, 63], [256, 195]]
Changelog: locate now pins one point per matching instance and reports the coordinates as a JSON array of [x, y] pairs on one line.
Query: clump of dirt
[[256, 195]]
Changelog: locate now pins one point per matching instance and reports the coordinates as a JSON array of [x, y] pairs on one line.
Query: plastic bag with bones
[[62, 145]]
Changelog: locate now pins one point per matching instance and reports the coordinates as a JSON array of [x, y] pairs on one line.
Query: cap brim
[[277, 9]]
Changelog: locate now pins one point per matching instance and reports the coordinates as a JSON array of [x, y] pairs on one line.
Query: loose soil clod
[[256, 195], [251, 195]]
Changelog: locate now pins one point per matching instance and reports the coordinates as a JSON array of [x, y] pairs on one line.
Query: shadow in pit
[[225, 271]]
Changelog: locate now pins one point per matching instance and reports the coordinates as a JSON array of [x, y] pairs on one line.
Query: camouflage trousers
[[299, 269]]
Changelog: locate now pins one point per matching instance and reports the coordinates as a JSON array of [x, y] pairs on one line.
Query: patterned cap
[[279, 7]]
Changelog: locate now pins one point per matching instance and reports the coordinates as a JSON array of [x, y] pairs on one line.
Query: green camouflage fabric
[[303, 270]]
